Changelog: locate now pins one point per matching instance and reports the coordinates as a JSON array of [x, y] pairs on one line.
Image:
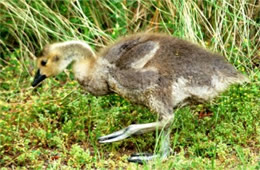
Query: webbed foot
[[141, 158], [116, 136], [131, 130]]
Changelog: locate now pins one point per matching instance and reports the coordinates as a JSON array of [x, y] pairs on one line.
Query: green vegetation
[[57, 125]]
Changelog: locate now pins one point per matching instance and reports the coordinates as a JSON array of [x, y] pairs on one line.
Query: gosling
[[158, 71]]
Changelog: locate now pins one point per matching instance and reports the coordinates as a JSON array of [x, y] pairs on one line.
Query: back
[[170, 56], [189, 70]]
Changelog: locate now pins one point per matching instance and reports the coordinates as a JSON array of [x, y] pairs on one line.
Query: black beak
[[38, 78]]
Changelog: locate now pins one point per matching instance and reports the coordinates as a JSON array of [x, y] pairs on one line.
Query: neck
[[81, 55], [82, 68], [90, 71], [75, 50]]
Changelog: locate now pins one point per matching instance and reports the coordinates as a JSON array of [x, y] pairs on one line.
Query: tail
[[240, 78], [221, 82]]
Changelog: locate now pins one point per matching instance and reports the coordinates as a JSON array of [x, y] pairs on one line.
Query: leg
[[164, 137], [166, 114], [163, 153], [131, 130]]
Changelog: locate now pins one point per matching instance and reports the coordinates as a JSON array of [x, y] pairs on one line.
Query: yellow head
[[56, 57]]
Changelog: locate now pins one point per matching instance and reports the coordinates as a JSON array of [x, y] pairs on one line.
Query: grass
[[57, 125]]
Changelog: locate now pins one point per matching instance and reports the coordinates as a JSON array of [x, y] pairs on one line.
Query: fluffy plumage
[[157, 71]]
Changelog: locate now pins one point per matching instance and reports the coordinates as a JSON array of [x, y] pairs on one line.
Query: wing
[[138, 56], [114, 52], [132, 52]]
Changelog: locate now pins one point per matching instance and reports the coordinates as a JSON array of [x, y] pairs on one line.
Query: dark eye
[[43, 63]]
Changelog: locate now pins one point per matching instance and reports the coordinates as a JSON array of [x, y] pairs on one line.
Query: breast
[[96, 86]]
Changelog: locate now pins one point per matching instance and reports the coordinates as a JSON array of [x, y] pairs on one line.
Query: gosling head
[[56, 57]]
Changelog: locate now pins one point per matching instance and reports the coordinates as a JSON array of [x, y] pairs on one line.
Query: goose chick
[[154, 70]]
